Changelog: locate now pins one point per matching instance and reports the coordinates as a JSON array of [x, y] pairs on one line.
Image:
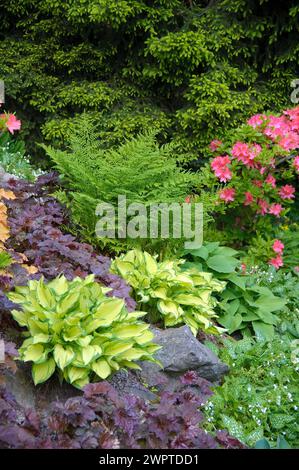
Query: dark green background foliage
[[191, 69]]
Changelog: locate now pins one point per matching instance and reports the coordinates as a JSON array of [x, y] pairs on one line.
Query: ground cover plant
[[259, 399]]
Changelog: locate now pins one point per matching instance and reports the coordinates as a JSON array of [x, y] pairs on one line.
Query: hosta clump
[[73, 327], [179, 296]]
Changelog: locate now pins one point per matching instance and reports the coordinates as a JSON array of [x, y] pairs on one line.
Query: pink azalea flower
[[13, 124], [296, 268], [277, 127], [276, 262], [275, 209], [294, 118], [220, 167], [296, 163], [256, 120], [227, 194], [290, 141], [271, 180], [287, 192], [215, 144], [263, 207], [188, 199], [248, 198], [245, 153], [240, 151], [278, 247]]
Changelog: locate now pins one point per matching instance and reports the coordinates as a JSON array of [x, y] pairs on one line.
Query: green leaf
[[20, 316], [109, 310], [34, 352], [231, 322], [222, 264], [239, 281], [225, 251], [40, 338], [43, 371], [202, 252], [266, 317], [101, 368], [263, 331], [89, 353], [234, 428], [76, 373], [262, 444], [115, 347], [270, 303], [72, 333], [63, 355], [282, 443]]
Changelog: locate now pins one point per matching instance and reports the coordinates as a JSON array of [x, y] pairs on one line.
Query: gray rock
[[41, 396], [127, 383], [181, 352]]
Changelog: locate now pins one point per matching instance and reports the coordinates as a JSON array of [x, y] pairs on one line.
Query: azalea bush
[[170, 293], [73, 327], [254, 173]]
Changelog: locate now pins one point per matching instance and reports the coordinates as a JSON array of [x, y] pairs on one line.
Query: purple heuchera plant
[[102, 419], [35, 221]]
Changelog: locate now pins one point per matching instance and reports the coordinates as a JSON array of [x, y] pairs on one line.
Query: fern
[[140, 169]]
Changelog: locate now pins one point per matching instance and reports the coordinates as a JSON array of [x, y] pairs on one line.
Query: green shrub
[[72, 326], [244, 305], [259, 398], [170, 294], [190, 68]]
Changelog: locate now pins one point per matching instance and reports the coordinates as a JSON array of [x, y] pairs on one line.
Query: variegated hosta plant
[[75, 328], [179, 296]]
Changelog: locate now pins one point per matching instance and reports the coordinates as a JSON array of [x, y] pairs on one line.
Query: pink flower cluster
[[283, 130], [9, 122], [246, 153], [278, 248], [220, 167], [227, 194], [263, 192]]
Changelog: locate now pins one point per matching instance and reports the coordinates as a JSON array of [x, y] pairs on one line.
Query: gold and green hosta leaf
[[178, 296], [72, 326]]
